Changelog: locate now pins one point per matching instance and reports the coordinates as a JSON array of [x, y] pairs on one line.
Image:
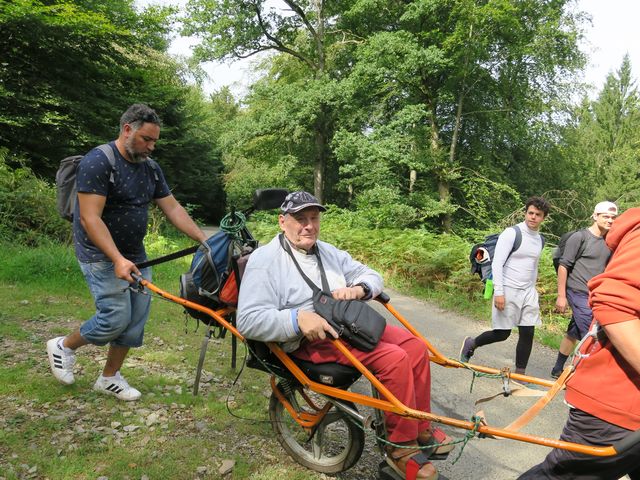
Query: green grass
[[48, 430]]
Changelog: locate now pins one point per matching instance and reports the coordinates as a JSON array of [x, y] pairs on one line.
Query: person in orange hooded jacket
[[604, 391]]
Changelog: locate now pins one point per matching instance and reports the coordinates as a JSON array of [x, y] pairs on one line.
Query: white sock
[[62, 347]]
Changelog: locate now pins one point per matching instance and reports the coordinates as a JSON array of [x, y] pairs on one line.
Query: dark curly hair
[[138, 114], [539, 203]]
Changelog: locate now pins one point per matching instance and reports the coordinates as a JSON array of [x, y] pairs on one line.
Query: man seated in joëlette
[[275, 305]]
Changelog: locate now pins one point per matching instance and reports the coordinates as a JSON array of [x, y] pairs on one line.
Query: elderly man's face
[[301, 228]]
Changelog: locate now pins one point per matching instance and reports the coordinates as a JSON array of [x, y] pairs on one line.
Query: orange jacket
[[604, 384]]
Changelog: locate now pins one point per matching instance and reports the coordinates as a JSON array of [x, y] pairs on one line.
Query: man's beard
[[134, 157]]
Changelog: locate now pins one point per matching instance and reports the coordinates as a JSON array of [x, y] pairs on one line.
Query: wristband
[[294, 321], [366, 289]]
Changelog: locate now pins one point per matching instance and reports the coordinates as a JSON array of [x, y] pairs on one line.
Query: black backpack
[[66, 193], [562, 243]]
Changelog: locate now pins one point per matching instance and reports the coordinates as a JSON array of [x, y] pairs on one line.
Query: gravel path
[[481, 458]]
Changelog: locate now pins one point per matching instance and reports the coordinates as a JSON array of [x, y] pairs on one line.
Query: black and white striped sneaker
[[61, 361], [116, 386]]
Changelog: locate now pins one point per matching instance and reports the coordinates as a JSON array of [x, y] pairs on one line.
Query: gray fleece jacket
[[272, 287]]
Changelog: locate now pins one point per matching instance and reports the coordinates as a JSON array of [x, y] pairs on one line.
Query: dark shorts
[[586, 429], [582, 315]]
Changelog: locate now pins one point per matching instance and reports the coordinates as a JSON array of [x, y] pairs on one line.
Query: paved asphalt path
[[496, 459]]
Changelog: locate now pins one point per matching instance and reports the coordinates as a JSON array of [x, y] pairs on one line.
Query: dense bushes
[[28, 212]]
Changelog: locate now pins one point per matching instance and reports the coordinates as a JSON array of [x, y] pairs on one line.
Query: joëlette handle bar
[[392, 404]]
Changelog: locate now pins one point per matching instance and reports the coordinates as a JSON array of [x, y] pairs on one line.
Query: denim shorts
[[120, 312]]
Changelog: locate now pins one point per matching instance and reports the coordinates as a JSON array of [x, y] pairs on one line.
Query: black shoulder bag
[[355, 321]]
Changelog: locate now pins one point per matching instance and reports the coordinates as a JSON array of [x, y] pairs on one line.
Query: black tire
[[337, 443]]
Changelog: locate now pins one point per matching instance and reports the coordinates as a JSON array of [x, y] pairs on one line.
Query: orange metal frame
[[388, 402]]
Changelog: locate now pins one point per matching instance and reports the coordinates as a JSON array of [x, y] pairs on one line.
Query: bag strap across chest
[[323, 276]]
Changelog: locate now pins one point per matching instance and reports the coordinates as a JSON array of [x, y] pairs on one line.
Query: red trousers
[[400, 362]]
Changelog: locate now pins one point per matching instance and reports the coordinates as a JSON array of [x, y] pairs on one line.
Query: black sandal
[[417, 459], [440, 448]]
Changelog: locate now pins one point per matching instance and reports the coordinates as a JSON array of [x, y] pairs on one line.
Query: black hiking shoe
[[467, 349]]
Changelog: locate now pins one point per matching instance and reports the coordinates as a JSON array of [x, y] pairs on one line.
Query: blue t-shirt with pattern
[[126, 209]]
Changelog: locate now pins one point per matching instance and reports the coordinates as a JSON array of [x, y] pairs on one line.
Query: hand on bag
[[314, 327], [348, 293]]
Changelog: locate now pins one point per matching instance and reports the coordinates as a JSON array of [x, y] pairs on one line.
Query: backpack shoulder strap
[[583, 242], [517, 241], [111, 157], [154, 166]]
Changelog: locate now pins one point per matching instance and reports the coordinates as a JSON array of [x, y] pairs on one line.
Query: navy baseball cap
[[296, 201]]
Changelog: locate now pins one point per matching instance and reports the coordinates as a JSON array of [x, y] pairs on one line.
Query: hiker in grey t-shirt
[[515, 298], [585, 255]]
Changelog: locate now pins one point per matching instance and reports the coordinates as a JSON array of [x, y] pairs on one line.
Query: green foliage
[[383, 208], [28, 212], [602, 142], [71, 67], [479, 75]]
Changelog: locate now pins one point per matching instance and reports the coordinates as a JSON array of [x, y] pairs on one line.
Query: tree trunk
[[413, 177], [445, 196], [444, 191], [320, 164]]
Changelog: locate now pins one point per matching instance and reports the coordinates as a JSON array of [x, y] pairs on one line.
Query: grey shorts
[[521, 309], [582, 314]]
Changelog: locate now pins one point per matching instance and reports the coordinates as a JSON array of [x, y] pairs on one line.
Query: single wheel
[[336, 444]]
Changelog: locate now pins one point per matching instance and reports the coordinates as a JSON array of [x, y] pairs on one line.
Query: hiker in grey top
[[585, 255], [515, 298], [110, 222]]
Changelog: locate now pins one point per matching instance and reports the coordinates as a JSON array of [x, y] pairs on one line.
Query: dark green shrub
[[28, 212]]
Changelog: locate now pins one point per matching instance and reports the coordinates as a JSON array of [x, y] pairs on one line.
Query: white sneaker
[[61, 361], [116, 386]]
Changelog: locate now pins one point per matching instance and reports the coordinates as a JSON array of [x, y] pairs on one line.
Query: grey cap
[[296, 201]]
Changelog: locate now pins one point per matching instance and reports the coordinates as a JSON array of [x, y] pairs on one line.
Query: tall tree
[[69, 68], [603, 141], [301, 29], [478, 75]]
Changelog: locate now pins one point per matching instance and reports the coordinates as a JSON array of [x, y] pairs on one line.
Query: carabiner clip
[[506, 387]]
